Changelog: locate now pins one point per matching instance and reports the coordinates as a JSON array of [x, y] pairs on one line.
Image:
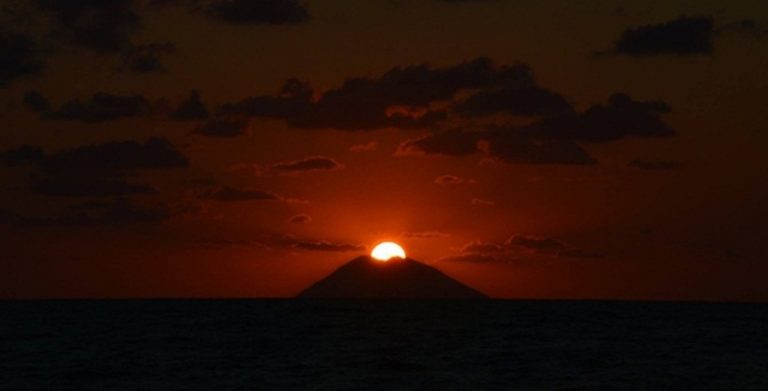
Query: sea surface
[[380, 344]]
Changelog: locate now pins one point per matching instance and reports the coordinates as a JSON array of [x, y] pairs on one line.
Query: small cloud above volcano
[[452, 180]]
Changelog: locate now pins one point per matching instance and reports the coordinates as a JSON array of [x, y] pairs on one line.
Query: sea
[[381, 345]]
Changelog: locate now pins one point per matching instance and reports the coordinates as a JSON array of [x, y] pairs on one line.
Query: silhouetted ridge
[[364, 277]]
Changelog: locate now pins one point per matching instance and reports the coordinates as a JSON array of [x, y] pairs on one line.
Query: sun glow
[[387, 250]]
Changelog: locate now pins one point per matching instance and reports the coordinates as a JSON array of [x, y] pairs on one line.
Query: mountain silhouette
[[364, 277]]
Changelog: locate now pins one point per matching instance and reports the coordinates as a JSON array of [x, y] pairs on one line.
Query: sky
[[532, 150]]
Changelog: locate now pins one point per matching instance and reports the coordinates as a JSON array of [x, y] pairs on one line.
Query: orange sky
[[686, 220]]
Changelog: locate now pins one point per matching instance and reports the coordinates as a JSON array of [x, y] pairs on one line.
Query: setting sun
[[386, 250]]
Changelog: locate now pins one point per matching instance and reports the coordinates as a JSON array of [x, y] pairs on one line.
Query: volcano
[[366, 278]]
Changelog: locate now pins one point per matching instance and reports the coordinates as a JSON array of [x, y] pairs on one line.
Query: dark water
[[289, 344]]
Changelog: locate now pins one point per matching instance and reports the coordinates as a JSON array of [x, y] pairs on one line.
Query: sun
[[384, 251]]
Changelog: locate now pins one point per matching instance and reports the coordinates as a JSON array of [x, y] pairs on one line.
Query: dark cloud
[[554, 139], [469, 1], [257, 12], [623, 117], [509, 145], [521, 100], [147, 58], [654, 165], [224, 242], [326, 246], [452, 142], [99, 25], [161, 3], [414, 119], [682, 36], [87, 186], [425, 235], [201, 182], [549, 246], [20, 56], [101, 107], [274, 240], [14, 219], [25, 154], [232, 194], [95, 170], [314, 163], [536, 243], [513, 147], [106, 26], [118, 212], [223, 128], [9, 217], [90, 205], [300, 219], [481, 247], [401, 97], [125, 212], [244, 11], [294, 99], [99, 170], [116, 157], [494, 252], [363, 102], [190, 109], [749, 28], [37, 102]]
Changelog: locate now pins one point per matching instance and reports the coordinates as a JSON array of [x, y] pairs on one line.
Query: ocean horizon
[[381, 344]]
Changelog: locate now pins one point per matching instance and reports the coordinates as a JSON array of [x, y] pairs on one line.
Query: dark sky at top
[[548, 149]]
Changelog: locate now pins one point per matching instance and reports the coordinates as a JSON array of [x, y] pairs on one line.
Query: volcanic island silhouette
[[397, 278]]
